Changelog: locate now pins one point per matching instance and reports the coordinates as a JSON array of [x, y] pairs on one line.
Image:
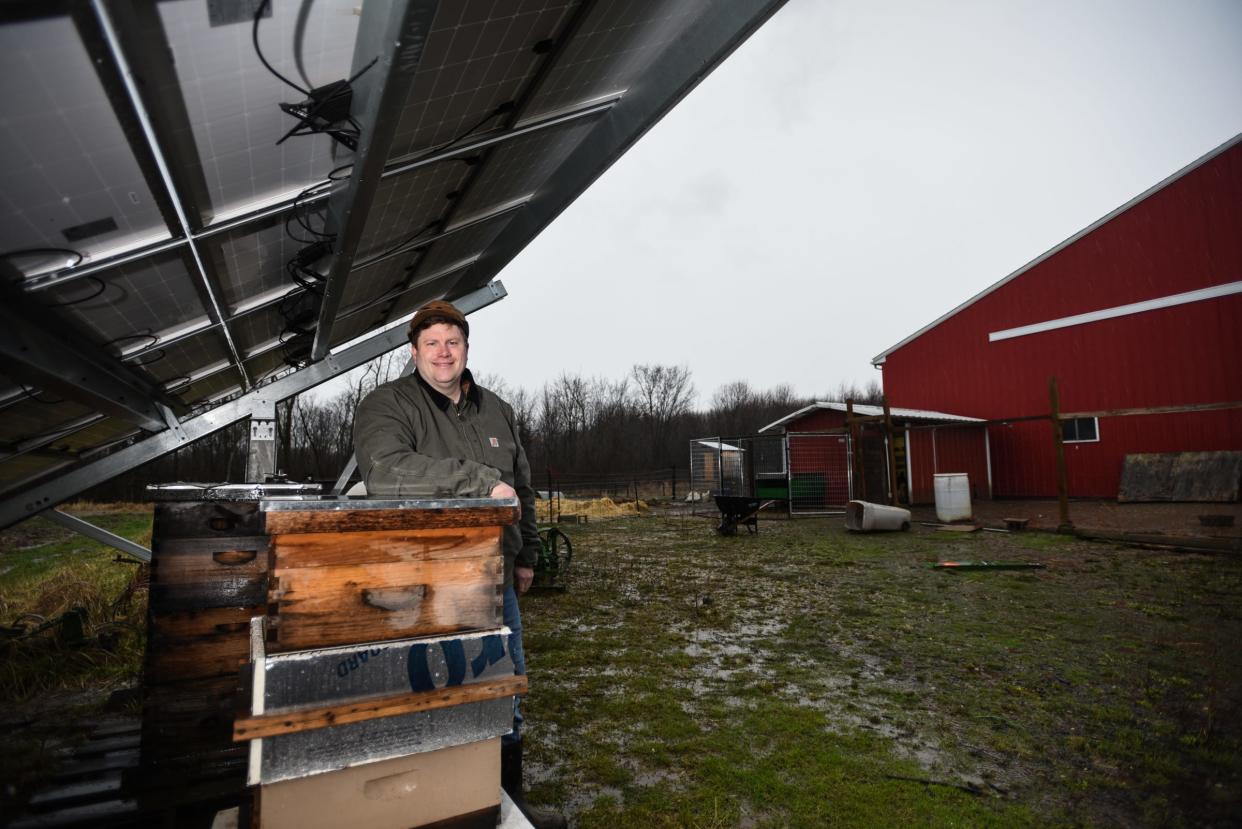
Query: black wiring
[[254, 37], [310, 120], [158, 353], [300, 308], [137, 335], [391, 293], [103, 286], [434, 224], [502, 109], [34, 395], [303, 221]]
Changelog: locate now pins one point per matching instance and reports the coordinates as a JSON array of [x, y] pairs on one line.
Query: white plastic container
[[865, 517], [952, 497]]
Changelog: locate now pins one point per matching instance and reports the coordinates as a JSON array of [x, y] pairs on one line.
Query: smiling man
[[438, 434]]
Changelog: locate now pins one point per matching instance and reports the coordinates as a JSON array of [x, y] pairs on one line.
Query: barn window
[[1080, 430]]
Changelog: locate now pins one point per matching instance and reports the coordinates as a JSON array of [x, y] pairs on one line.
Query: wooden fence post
[[856, 465], [1058, 442], [891, 452]]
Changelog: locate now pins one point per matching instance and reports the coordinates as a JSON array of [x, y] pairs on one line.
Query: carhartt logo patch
[[495, 442]]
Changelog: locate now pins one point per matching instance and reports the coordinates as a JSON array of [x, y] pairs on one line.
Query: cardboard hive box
[[454, 786]]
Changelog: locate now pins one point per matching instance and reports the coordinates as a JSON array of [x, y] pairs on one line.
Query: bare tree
[[732, 396], [662, 394], [871, 393]]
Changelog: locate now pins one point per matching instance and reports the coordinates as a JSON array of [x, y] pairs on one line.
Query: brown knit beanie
[[437, 311]]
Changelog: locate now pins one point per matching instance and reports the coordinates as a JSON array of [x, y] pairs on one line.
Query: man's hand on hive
[[503, 490]]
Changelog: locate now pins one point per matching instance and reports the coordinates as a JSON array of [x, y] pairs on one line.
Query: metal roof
[[873, 411], [879, 358], [174, 261], [719, 445]]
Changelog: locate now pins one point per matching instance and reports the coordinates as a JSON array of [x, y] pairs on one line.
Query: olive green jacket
[[411, 441]]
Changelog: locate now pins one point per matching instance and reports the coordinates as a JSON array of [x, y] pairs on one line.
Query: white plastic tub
[[952, 497], [865, 517]]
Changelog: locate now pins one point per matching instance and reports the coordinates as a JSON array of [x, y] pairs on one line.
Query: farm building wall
[[948, 449], [1183, 237], [819, 420], [943, 449]]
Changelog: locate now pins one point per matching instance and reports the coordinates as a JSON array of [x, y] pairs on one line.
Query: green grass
[[810, 677]]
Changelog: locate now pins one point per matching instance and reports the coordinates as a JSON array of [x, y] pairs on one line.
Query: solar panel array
[[149, 210]]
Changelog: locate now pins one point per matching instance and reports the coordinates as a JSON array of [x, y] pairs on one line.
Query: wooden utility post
[[855, 452], [891, 448], [1058, 442]]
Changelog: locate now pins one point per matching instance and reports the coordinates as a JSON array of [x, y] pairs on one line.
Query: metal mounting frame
[[98, 533], [36, 349], [278, 208], [134, 41], [560, 43], [35, 499]]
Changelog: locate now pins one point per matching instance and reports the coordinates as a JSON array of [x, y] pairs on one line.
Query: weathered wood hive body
[[331, 654]]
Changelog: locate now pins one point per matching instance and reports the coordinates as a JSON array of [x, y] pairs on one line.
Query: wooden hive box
[[347, 572], [209, 576]]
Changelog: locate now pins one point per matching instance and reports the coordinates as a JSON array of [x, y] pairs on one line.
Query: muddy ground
[[808, 676]]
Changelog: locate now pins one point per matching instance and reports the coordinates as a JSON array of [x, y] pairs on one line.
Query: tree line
[[574, 425]]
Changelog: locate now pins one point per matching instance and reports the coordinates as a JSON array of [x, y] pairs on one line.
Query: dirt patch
[[1167, 519]]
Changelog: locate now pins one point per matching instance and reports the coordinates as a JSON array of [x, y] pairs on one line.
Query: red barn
[[1142, 310]]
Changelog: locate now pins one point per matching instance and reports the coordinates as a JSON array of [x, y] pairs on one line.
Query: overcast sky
[[852, 172]]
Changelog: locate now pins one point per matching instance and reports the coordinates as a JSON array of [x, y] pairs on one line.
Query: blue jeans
[[513, 620]]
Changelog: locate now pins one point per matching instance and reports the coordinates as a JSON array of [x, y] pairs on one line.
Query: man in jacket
[[438, 434]]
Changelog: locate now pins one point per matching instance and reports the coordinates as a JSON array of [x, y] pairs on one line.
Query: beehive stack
[[382, 675], [379, 680], [208, 578]]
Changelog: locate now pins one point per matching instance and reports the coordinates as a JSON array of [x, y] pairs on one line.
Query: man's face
[[440, 357]]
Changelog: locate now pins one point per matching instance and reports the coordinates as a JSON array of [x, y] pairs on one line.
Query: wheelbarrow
[[739, 509]]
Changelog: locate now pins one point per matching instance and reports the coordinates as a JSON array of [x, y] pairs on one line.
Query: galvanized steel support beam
[[394, 32], [279, 207], [35, 499], [142, 37], [86, 528], [261, 448], [38, 350]]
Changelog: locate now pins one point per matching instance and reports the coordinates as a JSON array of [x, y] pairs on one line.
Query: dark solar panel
[[183, 254]]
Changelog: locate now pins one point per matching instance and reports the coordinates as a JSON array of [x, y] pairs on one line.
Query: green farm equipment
[[555, 555]]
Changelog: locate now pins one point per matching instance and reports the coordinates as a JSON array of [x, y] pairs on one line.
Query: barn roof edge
[[879, 359]]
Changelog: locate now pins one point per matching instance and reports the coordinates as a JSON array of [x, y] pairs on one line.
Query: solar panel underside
[[156, 219]]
